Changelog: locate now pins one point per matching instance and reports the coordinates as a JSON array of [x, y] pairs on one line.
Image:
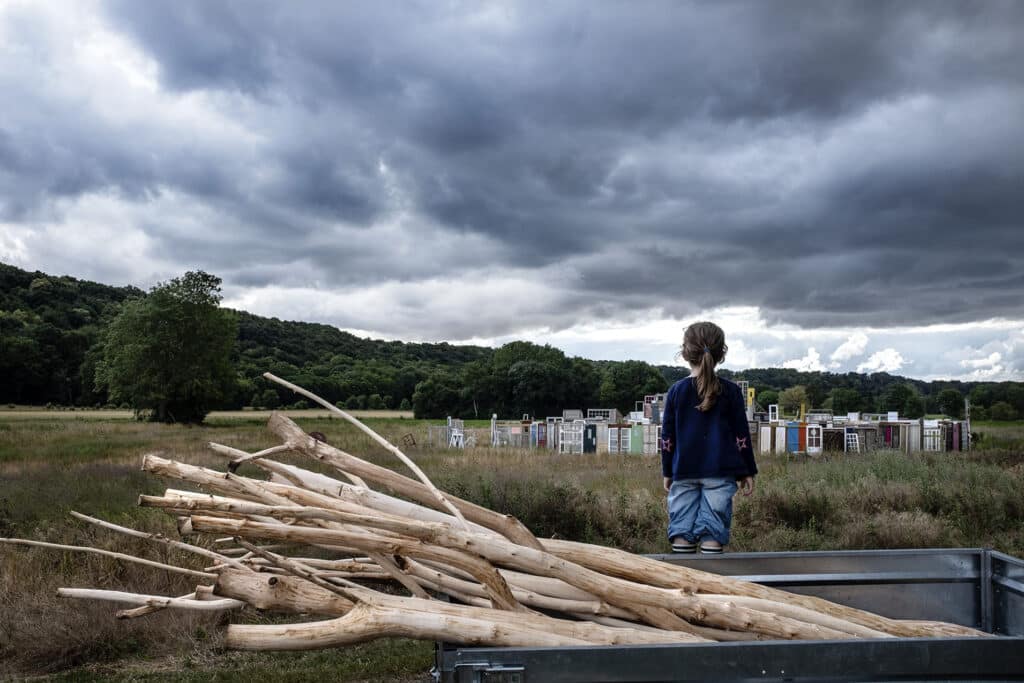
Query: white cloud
[[987, 368], [12, 246], [105, 242], [431, 310], [886, 360], [851, 348], [809, 363], [990, 361]]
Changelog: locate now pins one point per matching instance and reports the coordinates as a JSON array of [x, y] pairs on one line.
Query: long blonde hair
[[704, 348]]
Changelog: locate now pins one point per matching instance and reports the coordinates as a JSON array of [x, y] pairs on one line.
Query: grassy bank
[[50, 466]]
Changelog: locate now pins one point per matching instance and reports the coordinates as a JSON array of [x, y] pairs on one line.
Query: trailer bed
[[973, 587]]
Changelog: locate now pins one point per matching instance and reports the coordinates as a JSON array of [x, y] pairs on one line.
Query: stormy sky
[[840, 185]]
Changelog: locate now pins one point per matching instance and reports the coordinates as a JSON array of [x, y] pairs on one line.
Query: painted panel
[[764, 439], [636, 442], [793, 437], [652, 439]]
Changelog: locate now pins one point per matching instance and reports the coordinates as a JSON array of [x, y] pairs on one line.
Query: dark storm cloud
[[834, 163], [203, 44]]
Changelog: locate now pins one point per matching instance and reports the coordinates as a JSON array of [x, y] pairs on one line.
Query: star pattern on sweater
[[741, 443]]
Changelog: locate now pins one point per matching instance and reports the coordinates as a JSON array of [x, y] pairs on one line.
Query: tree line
[[175, 353]]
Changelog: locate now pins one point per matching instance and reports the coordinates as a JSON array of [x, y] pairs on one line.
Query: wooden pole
[[159, 538], [619, 592], [293, 435], [109, 553], [391, 448], [157, 601], [619, 563], [136, 612]]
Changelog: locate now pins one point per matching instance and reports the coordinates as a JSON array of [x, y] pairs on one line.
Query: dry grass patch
[[913, 529]]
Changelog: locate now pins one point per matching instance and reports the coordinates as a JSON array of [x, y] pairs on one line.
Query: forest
[[52, 328]]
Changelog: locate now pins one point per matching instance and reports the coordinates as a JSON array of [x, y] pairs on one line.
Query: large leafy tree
[[766, 397], [846, 401], [437, 396], [914, 407], [518, 378], [521, 378], [628, 382], [950, 402], [816, 393], [792, 398], [1001, 410], [168, 355], [905, 399]]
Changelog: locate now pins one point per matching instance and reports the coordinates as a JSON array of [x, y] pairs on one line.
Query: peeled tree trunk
[[329, 543]]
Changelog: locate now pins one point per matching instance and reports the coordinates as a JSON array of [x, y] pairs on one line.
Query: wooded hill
[[51, 326]]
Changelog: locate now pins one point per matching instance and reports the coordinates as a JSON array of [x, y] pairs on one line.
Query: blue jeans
[[701, 508]]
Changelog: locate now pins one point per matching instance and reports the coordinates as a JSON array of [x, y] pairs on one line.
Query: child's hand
[[666, 482], [746, 485]]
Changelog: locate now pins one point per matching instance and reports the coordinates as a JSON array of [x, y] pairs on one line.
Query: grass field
[[37, 413], [52, 464]]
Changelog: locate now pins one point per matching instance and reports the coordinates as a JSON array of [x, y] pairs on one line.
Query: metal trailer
[[974, 587]]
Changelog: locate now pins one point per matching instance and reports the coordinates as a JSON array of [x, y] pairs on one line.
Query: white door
[[613, 439], [814, 439]]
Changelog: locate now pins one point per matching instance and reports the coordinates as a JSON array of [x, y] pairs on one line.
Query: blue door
[[793, 437]]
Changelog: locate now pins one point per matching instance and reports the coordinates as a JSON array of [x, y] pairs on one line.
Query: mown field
[[50, 465]]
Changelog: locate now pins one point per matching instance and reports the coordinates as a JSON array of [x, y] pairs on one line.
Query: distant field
[[50, 465], [36, 413]]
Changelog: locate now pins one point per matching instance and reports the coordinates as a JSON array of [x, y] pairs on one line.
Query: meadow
[[52, 464]]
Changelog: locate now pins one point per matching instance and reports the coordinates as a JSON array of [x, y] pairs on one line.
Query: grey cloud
[[331, 186], [633, 146], [203, 44]]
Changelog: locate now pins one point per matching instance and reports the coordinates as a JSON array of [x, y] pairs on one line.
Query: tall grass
[[48, 467]]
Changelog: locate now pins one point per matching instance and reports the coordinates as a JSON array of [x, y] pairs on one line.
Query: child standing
[[706, 451]]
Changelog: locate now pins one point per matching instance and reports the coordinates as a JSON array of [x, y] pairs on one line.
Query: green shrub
[[1002, 412]]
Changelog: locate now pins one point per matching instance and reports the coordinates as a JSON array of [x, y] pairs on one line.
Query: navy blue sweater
[[696, 444]]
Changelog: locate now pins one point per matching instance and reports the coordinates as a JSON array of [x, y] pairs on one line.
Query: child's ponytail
[[704, 348]]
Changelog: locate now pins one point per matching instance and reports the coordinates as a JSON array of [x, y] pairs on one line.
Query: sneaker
[[711, 549], [684, 546]]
